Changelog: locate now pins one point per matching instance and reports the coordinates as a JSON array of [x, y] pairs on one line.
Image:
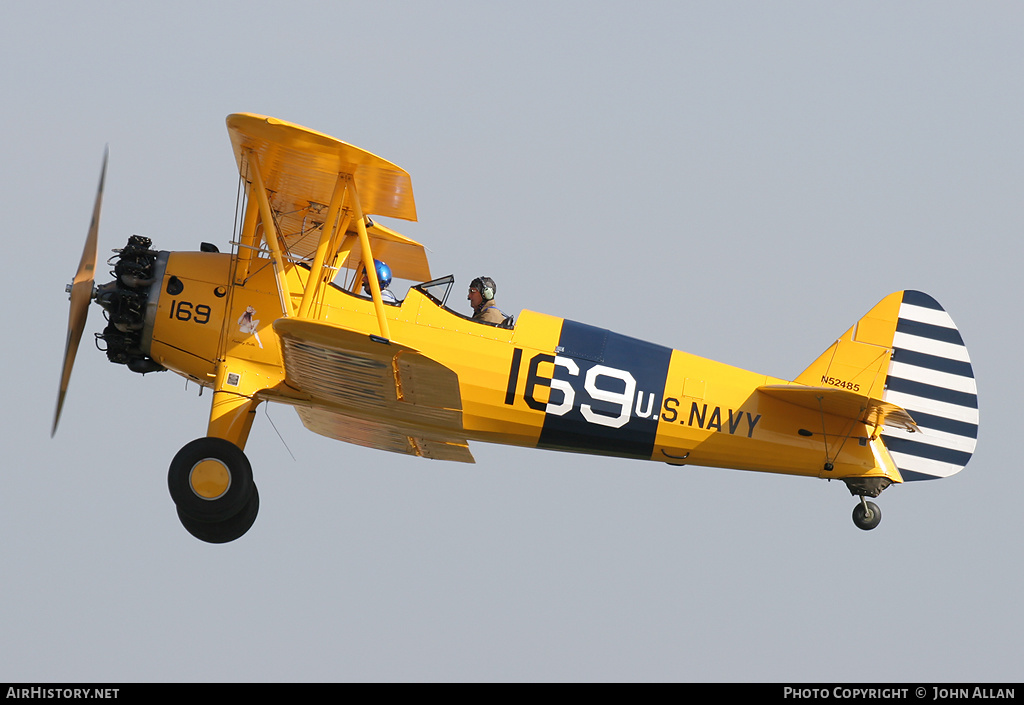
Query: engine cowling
[[165, 310]]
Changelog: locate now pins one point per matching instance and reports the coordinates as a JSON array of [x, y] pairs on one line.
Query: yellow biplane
[[283, 318]]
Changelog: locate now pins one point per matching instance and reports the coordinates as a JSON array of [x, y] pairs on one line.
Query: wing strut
[[270, 234], [316, 273], [364, 242], [308, 189], [345, 187]]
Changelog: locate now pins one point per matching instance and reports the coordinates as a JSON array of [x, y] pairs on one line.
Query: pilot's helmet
[[383, 275], [486, 287]]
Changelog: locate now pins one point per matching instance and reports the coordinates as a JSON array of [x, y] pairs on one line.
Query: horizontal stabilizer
[[844, 404]]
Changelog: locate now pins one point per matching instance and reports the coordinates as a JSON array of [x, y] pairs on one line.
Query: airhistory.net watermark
[[39, 692]]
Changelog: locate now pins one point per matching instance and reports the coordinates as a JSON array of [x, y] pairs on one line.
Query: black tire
[[239, 489], [867, 520], [227, 529]]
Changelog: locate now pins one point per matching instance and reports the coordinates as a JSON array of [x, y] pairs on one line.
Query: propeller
[[81, 291]]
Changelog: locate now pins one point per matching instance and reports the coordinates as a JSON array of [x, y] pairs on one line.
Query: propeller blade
[[81, 294]]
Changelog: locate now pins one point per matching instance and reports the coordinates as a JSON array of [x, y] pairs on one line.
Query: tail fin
[[907, 351]]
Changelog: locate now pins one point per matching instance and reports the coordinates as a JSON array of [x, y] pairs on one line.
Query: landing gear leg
[[210, 479]]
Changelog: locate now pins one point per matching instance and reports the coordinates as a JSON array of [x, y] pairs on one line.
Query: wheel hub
[[210, 479]]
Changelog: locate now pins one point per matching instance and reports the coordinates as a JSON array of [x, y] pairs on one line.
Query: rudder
[[930, 375]]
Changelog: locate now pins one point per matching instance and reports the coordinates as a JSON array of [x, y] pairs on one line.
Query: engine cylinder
[[124, 301]]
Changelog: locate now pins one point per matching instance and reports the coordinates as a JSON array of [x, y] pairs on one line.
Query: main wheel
[[227, 529], [210, 480], [869, 519]]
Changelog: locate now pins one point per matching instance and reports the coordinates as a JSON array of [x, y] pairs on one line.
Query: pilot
[[384, 279], [481, 298]]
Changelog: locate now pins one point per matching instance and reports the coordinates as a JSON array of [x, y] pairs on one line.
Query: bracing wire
[[274, 426]]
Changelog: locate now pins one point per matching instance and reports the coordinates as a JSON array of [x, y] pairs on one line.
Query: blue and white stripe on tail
[[930, 376]]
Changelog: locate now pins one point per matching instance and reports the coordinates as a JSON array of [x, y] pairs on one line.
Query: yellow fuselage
[[548, 383]]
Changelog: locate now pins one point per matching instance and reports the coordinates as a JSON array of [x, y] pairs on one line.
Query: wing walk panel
[[377, 394]]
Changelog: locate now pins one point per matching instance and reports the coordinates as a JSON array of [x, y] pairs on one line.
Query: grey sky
[[738, 180]]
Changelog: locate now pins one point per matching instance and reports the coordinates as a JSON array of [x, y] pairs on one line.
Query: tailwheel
[[210, 481], [866, 515]]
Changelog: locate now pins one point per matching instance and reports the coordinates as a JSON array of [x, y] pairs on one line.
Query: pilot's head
[[481, 290], [383, 276]]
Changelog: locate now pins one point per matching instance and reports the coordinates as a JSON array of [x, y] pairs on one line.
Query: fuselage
[[547, 383]]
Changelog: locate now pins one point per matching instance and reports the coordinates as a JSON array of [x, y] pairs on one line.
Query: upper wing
[[373, 392], [300, 168], [406, 258], [843, 403]]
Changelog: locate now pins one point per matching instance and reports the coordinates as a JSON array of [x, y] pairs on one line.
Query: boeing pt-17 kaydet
[[283, 317]]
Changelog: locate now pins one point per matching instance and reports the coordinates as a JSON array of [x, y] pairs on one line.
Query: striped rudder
[[930, 376]]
